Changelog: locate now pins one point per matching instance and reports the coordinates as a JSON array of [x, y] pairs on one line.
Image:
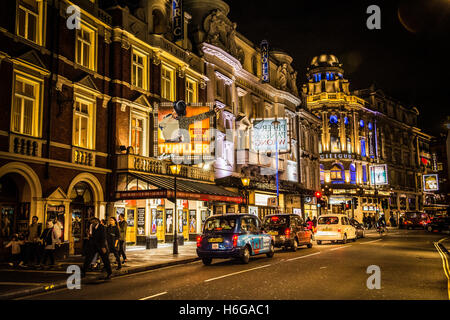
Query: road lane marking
[[308, 255], [370, 241], [154, 296], [341, 247], [444, 264], [239, 272]]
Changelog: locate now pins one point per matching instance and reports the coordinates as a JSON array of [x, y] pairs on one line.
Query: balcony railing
[[83, 157], [25, 145], [155, 166]]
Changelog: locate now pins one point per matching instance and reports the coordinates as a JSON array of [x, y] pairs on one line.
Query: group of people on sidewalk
[[104, 240], [35, 246]]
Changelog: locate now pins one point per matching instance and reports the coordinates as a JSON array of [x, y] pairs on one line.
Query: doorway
[[82, 210]]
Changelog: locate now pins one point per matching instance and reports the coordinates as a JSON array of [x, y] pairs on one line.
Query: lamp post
[[175, 169], [276, 124], [246, 183]]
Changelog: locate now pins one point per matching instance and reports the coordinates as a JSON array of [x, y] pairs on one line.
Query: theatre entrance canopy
[[134, 185]]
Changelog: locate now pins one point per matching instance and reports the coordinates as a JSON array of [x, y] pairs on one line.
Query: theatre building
[[53, 155], [257, 147], [349, 143], [150, 73]]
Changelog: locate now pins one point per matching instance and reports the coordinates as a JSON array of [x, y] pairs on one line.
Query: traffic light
[[355, 203], [348, 205], [318, 194]]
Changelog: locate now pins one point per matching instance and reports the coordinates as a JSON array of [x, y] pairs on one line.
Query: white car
[[334, 227]]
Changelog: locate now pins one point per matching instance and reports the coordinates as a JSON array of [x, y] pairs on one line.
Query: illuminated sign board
[[177, 20], [337, 156], [187, 135], [262, 199], [265, 61], [378, 175], [430, 182], [264, 136]]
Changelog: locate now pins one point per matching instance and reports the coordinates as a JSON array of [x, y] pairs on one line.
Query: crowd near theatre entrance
[[15, 199], [82, 210], [148, 204]]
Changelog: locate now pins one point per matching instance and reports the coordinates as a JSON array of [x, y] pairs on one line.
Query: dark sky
[[411, 66]]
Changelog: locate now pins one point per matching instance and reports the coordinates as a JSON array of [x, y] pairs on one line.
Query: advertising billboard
[[430, 182], [185, 135], [264, 135], [378, 175]]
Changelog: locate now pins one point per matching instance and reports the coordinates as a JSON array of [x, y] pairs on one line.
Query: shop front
[[148, 203]]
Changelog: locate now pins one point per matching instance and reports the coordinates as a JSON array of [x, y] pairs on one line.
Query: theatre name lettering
[[337, 156]]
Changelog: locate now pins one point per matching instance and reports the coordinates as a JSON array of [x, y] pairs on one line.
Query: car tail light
[[199, 241], [235, 239], [287, 232], [339, 230]]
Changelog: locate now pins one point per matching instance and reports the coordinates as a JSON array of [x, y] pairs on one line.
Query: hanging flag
[[265, 61], [177, 20]]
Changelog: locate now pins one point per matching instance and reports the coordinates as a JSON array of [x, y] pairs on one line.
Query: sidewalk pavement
[[21, 282]]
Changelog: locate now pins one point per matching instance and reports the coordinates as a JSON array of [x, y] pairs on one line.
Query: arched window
[[352, 174]]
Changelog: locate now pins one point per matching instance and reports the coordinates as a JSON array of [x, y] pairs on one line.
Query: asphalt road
[[410, 265]]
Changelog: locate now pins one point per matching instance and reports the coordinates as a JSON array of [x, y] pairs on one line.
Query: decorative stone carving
[[221, 32], [287, 79]]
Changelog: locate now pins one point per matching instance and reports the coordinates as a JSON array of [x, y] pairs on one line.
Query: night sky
[[408, 60]]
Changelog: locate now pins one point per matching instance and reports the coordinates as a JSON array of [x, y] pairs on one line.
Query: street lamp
[[246, 183], [276, 124], [175, 169]]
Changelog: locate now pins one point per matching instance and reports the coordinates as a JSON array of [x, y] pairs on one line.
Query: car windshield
[[222, 224], [275, 221], [411, 215], [328, 220]]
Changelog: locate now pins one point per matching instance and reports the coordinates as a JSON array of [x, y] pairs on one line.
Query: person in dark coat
[[97, 244], [123, 225], [113, 237]]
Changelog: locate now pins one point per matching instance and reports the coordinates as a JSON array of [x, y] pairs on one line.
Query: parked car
[[334, 228], [288, 231], [439, 224], [415, 219], [360, 231], [233, 236]]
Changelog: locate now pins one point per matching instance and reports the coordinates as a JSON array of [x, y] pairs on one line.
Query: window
[[167, 83], [29, 20], [137, 135], [363, 147], [85, 47], [82, 124], [352, 174], [139, 70], [364, 173], [26, 106], [336, 173], [191, 90]]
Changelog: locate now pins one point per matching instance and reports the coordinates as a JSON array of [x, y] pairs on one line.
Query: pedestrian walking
[[123, 225], [113, 238], [15, 244], [392, 221], [49, 239], [97, 244]]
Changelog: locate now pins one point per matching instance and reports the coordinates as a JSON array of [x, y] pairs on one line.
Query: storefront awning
[[163, 187]]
